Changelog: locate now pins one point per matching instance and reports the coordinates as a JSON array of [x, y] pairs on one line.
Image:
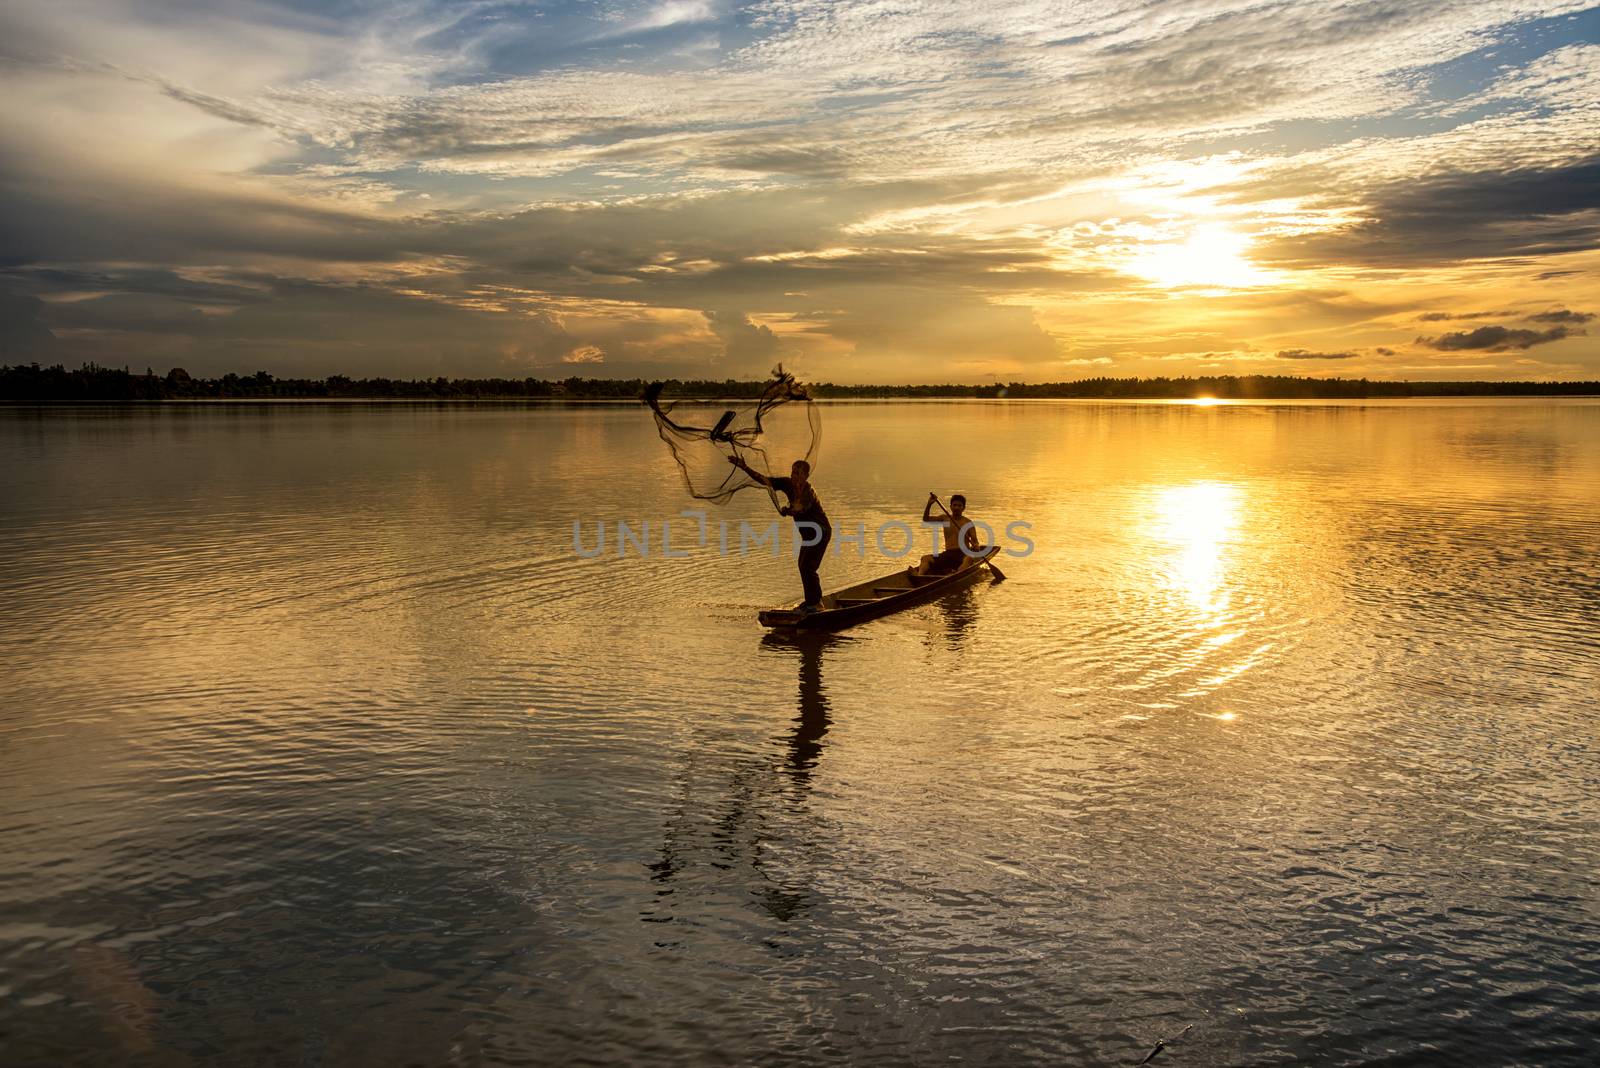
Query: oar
[[999, 576]]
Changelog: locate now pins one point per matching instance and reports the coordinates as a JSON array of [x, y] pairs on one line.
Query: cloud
[[228, 110], [913, 89], [295, 327], [1494, 339], [674, 13], [1567, 76], [1303, 354], [1561, 315], [746, 345], [24, 337], [1439, 317], [1453, 217]]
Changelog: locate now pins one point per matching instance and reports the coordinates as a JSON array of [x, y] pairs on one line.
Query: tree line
[[91, 382]]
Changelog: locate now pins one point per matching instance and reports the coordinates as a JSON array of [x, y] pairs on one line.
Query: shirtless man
[[959, 530], [810, 521]]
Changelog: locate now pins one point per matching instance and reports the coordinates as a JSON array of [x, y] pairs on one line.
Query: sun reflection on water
[[1199, 520]]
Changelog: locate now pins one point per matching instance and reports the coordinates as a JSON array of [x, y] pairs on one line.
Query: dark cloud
[[821, 161], [1439, 317], [466, 293], [1305, 354], [746, 345], [24, 337], [1545, 276], [425, 290], [1451, 217], [73, 219], [1561, 315], [297, 327], [214, 105], [1494, 339], [238, 287]]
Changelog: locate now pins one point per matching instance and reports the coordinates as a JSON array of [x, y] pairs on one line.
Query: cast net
[[769, 432]]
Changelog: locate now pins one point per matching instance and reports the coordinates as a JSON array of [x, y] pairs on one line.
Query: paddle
[[999, 576]]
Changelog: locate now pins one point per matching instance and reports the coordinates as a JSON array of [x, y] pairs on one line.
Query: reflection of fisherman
[[810, 522], [960, 536], [805, 744]]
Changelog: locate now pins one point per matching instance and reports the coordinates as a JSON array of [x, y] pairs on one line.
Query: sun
[[1212, 257]]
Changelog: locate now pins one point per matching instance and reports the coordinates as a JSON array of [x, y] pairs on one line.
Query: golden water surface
[[322, 746]]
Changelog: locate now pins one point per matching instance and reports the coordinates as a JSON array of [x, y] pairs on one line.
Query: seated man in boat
[[810, 521], [959, 530]]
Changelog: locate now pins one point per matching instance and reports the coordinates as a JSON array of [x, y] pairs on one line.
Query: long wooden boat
[[876, 597]]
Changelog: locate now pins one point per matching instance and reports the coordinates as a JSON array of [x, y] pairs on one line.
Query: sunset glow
[[941, 192], [1213, 257]]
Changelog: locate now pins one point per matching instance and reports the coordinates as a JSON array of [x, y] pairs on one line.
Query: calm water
[[321, 747]]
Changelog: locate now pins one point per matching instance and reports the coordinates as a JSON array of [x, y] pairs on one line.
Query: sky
[[867, 191]]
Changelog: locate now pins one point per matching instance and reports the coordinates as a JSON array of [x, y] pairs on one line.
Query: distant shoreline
[[623, 402], [93, 384]]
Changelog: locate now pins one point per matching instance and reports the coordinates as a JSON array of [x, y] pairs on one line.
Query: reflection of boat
[[876, 597]]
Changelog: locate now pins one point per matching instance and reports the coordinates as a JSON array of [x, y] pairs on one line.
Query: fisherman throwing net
[[767, 433], [744, 446]]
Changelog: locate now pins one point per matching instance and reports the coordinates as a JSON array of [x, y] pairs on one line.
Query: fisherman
[[810, 522], [960, 536]]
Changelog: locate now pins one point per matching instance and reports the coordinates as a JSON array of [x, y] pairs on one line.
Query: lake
[[322, 745]]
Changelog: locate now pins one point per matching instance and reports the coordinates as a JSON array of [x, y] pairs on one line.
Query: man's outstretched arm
[[747, 469]]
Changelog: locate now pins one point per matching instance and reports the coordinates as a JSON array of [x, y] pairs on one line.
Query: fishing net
[[769, 433]]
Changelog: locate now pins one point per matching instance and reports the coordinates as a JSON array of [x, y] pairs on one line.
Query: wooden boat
[[876, 597]]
